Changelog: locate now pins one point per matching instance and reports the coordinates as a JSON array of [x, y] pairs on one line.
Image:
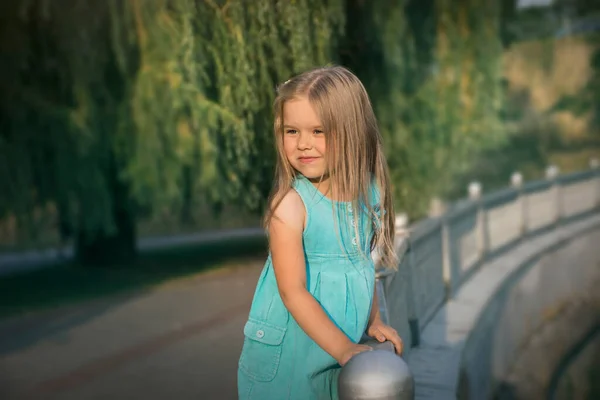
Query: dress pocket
[[261, 352]]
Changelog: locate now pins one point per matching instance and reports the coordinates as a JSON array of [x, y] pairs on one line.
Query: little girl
[[330, 208]]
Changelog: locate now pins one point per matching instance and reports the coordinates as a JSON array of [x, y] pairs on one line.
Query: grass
[[71, 283]]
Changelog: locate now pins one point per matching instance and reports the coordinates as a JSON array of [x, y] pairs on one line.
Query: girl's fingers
[[399, 346], [377, 334], [388, 333], [393, 337]]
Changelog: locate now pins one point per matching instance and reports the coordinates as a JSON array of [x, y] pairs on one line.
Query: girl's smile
[[308, 160]]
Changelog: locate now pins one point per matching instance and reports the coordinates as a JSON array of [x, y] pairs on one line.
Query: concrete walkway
[[180, 340]]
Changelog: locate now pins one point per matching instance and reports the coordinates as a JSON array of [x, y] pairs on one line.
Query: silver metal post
[[376, 375], [595, 165], [379, 374], [516, 180], [474, 190], [446, 261], [551, 174]]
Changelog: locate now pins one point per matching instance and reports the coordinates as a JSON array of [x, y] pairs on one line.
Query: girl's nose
[[304, 141]]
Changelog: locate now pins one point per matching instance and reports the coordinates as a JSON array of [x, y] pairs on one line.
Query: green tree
[[119, 109], [116, 108], [433, 71], [587, 102]]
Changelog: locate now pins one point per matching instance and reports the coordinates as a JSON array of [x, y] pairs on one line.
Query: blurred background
[[136, 140]]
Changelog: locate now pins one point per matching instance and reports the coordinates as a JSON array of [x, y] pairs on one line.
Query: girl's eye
[[318, 132], [291, 131]]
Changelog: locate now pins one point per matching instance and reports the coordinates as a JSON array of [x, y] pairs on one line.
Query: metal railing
[[440, 253]]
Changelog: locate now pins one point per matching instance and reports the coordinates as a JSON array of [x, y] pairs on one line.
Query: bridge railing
[[440, 253]]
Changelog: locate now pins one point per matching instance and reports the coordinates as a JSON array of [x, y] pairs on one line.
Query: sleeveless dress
[[279, 360]]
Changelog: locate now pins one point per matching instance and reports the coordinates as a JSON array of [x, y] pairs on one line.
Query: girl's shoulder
[[289, 209]]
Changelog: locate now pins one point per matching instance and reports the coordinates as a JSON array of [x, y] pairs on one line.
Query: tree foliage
[[203, 92], [117, 108], [587, 102], [434, 74]]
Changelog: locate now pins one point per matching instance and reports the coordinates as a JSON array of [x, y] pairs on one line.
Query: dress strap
[[310, 195]]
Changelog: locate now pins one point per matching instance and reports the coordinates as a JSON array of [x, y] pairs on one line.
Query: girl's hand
[[383, 332], [351, 351]]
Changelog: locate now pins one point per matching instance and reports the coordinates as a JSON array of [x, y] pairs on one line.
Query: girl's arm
[[287, 253]]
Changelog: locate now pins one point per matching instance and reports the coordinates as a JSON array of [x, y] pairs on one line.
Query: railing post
[[551, 174], [383, 309], [482, 223], [401, 224], [413, 321], [595, 165], [379, 374], [446, 260], [516, 181]]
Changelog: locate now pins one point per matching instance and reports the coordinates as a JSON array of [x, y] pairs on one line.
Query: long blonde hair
[[355, 154]]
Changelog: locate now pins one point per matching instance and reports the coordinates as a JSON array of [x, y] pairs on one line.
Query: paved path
[[180, 340]]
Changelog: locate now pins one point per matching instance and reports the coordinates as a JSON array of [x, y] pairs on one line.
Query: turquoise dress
[[279, 360]]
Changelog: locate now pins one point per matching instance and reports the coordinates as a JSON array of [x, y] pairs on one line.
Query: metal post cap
[[376, 374], [552, 172], [474, 190], [401, 220], [516, 179]]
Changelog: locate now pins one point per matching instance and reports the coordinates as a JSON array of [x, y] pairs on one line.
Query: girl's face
[[304, 139]]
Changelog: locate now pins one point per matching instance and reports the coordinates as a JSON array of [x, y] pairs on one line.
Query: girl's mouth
[[307, 160]]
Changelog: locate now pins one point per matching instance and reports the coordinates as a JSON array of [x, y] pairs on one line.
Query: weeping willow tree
[[117, 107], [381, 47], [65, 105], [112, 110], [206, 83], [468, 83], [434, 75]]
